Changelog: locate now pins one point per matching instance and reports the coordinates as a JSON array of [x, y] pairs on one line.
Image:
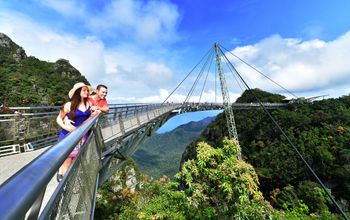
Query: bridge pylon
[[231, 125]]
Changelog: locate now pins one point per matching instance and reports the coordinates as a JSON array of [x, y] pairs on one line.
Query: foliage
[[117, 192], [218, 181], [321, 132], [217, 185], [250, 96]]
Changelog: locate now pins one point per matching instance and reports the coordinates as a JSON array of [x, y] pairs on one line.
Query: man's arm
[[105, 108], [7, 109]]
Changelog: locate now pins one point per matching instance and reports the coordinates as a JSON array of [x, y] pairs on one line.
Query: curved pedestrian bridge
[[33, 191]]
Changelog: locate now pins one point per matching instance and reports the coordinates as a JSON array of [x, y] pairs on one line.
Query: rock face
[[63, 67], [16, 51], [5, 41], [125, 177]]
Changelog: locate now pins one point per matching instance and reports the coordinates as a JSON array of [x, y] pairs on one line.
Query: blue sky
[[142, 49]]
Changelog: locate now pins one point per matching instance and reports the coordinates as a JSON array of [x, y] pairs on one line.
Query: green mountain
[[321, 132], [28, 81], [161, 153]]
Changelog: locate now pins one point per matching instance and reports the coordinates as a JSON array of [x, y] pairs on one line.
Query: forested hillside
[[28, 81], [321, 132], [161, 153]]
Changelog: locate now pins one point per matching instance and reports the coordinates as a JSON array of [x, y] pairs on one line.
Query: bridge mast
[[226, 98]]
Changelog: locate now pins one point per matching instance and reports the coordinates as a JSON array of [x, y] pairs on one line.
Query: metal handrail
[[16, 196]]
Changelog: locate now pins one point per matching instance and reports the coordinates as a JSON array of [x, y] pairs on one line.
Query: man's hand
[[96, 112], [94, 108], [18, 113]]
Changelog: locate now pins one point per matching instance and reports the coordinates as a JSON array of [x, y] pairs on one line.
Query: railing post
[[121, 123], [115, 115], [35, 209], [147, 111], [99, 139], [138, 117]]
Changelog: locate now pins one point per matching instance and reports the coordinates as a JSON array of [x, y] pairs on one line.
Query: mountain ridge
[[29, 81], [161, 153]]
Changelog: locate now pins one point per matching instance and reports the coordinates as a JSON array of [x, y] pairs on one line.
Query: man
[[7, 109], [98, 101]]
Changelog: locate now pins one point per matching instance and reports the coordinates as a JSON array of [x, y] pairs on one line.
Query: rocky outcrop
[[13, 50], [126, 178], [63, 67], [5, 41], [19, 55]]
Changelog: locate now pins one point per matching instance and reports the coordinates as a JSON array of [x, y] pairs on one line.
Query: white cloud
[[127, 72], [134, 72], [153, 21], [145, 22], [65, 7], [207, 96], [86, 54], [297, 65]]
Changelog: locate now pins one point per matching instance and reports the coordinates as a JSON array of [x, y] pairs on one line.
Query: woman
[[77, 110]]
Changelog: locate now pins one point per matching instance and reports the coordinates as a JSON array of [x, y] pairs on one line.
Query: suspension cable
[[206, 77], [187, 75], [215, 85], [197, 79], [260, 72], [237, 80], [288, 140]]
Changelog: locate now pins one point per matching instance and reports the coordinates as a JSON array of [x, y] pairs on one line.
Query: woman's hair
[[75, 101]]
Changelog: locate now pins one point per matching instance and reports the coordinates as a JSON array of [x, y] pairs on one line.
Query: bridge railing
[[74, 198], [122, 119], [38, 128], [22, 194], [36, 123]]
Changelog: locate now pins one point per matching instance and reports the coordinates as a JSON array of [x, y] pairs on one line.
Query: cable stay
[[197, 79], [187, 76], [206, 77]]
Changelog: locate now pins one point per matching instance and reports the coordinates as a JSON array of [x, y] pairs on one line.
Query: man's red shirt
[[100, 103]]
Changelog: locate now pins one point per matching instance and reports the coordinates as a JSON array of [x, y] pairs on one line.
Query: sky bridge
[[31, 155], [115, 137]]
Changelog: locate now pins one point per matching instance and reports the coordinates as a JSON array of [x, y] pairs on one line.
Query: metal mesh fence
[[75, 200], [7, 130]]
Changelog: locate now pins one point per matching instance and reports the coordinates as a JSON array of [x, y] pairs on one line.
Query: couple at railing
[[73, 113]]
